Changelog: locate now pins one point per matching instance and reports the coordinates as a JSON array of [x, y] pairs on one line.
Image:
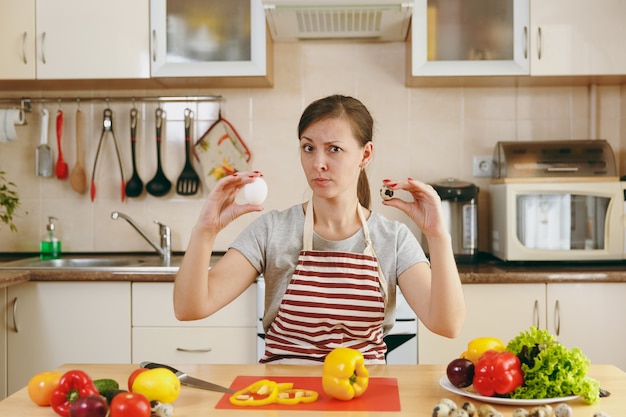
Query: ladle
[[159, 185], [134, 186]]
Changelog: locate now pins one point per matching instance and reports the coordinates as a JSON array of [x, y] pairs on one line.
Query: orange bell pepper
[[345, 376]]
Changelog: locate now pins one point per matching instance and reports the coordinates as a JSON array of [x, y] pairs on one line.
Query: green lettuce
[[550, 369]]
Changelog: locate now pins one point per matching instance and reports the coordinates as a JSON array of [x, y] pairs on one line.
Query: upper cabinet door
[[207, 38], [470, 37], [578, 37], [17, 31], [89, 39]]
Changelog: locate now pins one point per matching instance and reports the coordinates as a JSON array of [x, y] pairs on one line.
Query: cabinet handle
[[557, 318], [24, 48], [539, 43], [205, 350], [154, 45], [15, 329], [525, 42], [43, 47], [536, 314]]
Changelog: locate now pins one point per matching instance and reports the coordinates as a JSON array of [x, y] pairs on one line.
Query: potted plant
[[9, 201]]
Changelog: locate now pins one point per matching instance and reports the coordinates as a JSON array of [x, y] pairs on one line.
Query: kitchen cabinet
[[17, 34], [476, 37], [516, 38], [590, 317], [577, 37], [75, 39], [52, 323], [584, 315], [497, 310], [199, 38], [228, 336]]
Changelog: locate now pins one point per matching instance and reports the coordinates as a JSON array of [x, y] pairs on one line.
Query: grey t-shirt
[[272, 244]]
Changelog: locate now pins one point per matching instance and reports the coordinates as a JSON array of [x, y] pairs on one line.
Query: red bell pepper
[[73, 384], [497, 373]]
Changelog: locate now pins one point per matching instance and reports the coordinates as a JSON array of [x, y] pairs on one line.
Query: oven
[[401, 340]]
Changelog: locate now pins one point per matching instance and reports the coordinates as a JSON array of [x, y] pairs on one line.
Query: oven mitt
[[221, 152]]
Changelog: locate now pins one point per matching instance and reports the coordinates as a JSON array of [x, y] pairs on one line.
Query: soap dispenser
[[50, 245]]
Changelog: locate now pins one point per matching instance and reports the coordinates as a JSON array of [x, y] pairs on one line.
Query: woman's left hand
[[425, 209]]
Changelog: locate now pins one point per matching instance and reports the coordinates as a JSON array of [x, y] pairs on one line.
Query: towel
[[8, 119]]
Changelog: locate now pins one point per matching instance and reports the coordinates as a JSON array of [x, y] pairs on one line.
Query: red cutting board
[[381, 395]]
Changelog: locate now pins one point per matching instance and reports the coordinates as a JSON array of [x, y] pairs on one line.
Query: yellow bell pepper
[[477, 347], [261, 392], [345, 376]]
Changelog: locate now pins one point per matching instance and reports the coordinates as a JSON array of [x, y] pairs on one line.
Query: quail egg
[[563, 410], [386, 193]]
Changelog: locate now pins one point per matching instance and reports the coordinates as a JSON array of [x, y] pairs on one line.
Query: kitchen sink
[[133, 263]]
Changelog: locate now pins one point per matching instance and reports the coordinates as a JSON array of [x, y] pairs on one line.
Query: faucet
[[165, 249]]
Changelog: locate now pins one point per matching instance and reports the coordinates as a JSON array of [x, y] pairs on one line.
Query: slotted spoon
[[188, 182]]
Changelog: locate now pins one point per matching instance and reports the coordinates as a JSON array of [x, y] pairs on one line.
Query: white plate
[[446, 384]]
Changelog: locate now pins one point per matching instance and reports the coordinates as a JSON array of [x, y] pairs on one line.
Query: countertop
[[487, 270], [418, 391]]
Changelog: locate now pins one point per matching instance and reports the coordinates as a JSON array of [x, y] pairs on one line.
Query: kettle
[[459, 201]]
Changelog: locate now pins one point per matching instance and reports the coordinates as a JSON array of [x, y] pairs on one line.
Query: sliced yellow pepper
[[296, 396], [261, 392], [265, 392], [478, 346], [345, 376]]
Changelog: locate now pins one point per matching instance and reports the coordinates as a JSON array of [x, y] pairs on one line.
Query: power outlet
[[482, 166]]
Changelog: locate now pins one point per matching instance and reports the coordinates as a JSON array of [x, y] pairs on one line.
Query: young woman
[[331, 266]]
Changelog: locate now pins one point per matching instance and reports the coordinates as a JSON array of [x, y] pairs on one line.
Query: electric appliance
[[459, 201], [557, 201], [368, 20], [401, 340]]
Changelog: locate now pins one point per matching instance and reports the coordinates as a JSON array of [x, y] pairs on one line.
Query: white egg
[[255, 192]]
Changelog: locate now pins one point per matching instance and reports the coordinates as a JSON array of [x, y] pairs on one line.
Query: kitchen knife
[[188, 380]]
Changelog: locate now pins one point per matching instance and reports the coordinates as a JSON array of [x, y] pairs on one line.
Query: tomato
[[41, 385], [129, 404], [133, 375], [158, 384]]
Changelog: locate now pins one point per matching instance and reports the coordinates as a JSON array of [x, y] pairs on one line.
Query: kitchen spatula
[[43, 155]]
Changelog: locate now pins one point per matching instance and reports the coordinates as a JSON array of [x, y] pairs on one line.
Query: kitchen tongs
[[107, 126]]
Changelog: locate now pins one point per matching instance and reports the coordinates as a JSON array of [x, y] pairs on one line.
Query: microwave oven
[[572, 220]]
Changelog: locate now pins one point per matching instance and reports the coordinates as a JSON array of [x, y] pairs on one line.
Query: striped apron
[[333, 299]]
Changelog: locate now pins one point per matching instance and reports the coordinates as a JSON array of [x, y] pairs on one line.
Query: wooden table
[[418, 387]]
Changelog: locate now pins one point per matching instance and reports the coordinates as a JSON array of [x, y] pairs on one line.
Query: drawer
[[153, 306], [191, 345]]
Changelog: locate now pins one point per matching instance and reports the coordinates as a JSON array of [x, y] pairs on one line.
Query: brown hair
[[360, 119]]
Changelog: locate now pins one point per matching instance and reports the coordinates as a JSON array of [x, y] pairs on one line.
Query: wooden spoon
[[78, 176]]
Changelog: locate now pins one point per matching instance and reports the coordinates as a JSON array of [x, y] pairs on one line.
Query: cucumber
[[108, 388], [106, 384], [112, 393]]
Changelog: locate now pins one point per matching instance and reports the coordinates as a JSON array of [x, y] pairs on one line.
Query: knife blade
[[188, 380]]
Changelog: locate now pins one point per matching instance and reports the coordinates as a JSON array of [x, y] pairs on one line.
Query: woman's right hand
[[220, 208]]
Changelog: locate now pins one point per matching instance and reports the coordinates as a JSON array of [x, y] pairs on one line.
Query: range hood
[[366, 20]]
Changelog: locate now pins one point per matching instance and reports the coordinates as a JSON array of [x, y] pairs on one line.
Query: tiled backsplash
[[424, 133]]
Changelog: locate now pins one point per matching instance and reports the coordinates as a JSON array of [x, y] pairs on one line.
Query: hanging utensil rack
[[25, 103]]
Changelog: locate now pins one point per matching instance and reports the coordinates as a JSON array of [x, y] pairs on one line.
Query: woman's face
[[332, 157]]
